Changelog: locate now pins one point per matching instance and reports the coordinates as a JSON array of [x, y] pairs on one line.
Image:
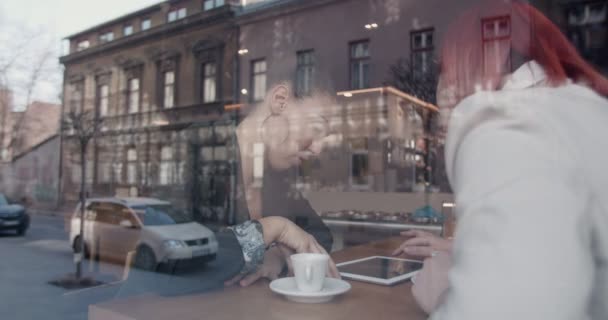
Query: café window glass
[[359, 64], [305, 72], [209, 82], [258, 79], [421, 42]]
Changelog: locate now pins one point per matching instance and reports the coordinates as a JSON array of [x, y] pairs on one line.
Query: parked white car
[[154, 229]]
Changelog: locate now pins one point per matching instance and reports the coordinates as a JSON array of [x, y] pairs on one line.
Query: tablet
[[380, 270]]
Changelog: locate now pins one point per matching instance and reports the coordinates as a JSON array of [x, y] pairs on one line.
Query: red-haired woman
[[527, 157]]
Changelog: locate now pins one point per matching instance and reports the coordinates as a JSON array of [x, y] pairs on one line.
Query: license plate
[[200, 252], [11, 223]]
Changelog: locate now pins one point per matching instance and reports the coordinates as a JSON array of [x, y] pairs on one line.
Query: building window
[[169, 89], [359, 166], [127, 30], [258, 163], [305, 72], [359, 65], [76, 173], [258, 79], [209, 82], [103, 93], [167, 169], [211, 4], [421, 42], [305, 173], [167, 82], [146, 24], [176, 14], [104, 172], [117, 165], [133, 94], [496, 35], [132, 166], [217, 153], [84, 44], [106, 37], [587, 28], [77, 96]]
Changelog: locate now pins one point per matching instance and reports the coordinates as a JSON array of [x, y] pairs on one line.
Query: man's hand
[[274, 261], [283, 231]]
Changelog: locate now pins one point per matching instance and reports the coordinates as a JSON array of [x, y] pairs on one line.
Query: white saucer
[[331, 288]]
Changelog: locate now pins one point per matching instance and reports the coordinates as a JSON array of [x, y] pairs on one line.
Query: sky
[[54, 20]]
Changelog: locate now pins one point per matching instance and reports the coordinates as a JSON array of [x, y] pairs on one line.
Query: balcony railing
[[165, 118]]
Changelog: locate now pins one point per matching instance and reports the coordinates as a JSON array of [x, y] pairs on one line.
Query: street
[[28, 264], [44, 254]]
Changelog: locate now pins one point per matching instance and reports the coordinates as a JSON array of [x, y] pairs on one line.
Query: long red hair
[[532, 37]]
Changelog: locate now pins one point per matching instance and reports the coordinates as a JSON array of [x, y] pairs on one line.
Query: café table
[[363, 301]]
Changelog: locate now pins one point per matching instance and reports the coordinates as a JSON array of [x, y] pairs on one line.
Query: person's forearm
[[272, 227]]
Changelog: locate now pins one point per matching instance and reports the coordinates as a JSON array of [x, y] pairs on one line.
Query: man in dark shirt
[[275, 137]]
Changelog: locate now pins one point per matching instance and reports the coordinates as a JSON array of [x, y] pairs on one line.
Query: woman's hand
[[431, 283], [274, 262], [282, 231], [422, 244]]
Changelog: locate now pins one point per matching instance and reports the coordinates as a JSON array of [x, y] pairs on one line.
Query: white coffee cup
[[309, 270]]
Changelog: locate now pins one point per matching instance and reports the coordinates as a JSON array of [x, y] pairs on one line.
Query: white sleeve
[[522, 247]]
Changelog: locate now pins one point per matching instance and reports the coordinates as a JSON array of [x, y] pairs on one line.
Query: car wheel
[[145, 259], [21, 231], [76, 248]]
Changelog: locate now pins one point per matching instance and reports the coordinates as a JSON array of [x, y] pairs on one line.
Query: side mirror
[[127, 224]]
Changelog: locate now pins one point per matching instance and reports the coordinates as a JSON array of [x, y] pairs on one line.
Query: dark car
[[13, 217]]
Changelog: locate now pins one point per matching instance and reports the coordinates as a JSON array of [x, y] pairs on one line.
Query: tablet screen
[[381, 267]]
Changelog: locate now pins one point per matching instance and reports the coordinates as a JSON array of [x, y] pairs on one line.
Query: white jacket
[[529, 169]]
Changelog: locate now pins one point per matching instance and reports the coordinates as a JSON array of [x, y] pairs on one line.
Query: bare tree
[[27, 60], [419, 83], [83, 126]]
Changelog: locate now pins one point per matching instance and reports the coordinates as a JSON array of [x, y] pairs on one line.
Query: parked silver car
[[153, 229]]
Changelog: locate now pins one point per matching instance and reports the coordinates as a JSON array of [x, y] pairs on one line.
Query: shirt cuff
[[250, 236]]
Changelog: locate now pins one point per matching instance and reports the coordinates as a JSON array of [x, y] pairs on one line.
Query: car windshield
[[3, 201], [160, 215]]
